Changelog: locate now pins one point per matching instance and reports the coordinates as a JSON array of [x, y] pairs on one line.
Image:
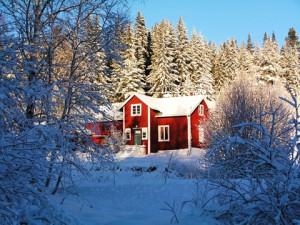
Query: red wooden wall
[[136, 121], [197, 120]]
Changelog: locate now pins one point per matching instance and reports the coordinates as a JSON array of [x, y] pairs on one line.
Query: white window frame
[[144, 133], [136, 111], [201, 110], [201, 134], [127, 131], [164, 139]]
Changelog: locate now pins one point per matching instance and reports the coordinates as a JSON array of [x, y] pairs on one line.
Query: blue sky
[[218, 20]]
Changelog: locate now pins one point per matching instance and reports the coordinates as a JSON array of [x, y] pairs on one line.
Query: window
[[136, 110], [164, 133], [127, 134], [201, 110], [144, 134], [201, 134]]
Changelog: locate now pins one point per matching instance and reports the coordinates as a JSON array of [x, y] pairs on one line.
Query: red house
[[164, 123]]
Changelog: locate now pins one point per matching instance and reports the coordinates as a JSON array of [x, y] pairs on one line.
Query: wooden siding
[[136, 122], [197, 120], [178, 133]]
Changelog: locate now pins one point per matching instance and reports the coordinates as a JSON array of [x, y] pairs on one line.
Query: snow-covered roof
[[171, 106]]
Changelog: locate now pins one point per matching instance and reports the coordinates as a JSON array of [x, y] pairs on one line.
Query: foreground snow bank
[[131, 194]]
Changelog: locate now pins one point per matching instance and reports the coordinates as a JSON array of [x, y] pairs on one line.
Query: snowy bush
[[255, 177]]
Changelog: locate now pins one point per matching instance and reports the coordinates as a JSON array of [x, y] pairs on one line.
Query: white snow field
[[138, 193]]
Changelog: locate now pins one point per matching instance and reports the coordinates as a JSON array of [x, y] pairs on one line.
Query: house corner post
[[189, 134]]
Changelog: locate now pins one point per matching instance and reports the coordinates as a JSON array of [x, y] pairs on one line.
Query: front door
[[137, 137]]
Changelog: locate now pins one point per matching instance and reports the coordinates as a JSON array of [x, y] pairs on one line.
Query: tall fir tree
[[245, 64], [290, 63], [218, 68], [163, 77], [265, 38], [132, 77], [195, 52], [141, 43], [250, 46], [182, 55], [273, 37], [292, 39], [205, 82], [269, 68], [96, 61], [231, 59]]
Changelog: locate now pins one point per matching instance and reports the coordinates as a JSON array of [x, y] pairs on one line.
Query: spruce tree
[[141, 42], [269, 68], [231, 59], [245, 64], [132, 77], [266, 37], [273, 37], [218, 68], [163, 75], [291, 66], [292, 38], [95, 63], [182, 56], [195, 51], [205, 83], [250, 46]]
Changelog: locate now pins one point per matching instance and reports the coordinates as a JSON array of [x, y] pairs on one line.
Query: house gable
[[135, 120]]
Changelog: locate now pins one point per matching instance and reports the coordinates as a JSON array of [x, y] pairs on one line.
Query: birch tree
[[50, 100]]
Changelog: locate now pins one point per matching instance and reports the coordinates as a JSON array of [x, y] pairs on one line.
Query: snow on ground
[[138, 192]]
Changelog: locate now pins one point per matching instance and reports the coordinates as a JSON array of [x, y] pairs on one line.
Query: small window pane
[[136, 110], [166, 133], [163, 133], [144, 134]]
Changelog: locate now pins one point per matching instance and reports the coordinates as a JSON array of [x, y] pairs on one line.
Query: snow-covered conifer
[[250, 46], [141, 42], [245, 65], [269, 68], [132, 76], [163, 77], [182, 54], [291, 66]]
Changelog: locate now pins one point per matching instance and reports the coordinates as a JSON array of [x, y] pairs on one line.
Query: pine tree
[[182, 56], [218, 68], [115, 80], [163, 75], [132, 77], [205, 83], [250, 46], [141, 42], [225, 66], [273, 37], [292, 38], [266, 37], [269, 68], [95, 63], [195, 51], [291, 66], [231, 60], [245, 65]]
